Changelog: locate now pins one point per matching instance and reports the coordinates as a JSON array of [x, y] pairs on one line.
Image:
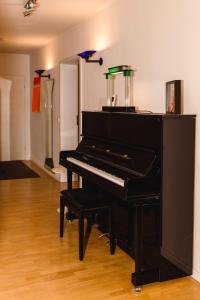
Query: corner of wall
[[196, 275]]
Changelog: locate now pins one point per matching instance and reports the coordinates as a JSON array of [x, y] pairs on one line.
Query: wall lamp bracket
[[40, 72], [87, 54]]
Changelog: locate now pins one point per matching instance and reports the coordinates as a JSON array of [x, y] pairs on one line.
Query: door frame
[[75, 60]]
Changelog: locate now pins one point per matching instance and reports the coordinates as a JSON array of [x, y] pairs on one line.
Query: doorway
[[70, 106], [16, 119]]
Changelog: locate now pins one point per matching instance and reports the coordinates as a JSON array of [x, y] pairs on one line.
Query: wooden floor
[[36, 264]]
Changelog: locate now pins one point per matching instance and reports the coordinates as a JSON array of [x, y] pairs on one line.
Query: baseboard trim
[[61, 177], [196, 275], [54, 176]]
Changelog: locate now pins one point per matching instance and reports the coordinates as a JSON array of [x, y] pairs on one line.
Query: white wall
[[18, 65], [160, 38]]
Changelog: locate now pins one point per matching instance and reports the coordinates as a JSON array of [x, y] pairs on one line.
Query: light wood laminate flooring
[[36, 264]]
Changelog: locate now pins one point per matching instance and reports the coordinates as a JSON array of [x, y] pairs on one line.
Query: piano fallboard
[[118, 190], [121, 184]]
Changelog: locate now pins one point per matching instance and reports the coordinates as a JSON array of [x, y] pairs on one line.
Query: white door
[[5, 88], [68, 106], [17, 119]]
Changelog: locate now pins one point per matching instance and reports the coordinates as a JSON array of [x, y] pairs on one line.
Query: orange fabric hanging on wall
[[36, 95]]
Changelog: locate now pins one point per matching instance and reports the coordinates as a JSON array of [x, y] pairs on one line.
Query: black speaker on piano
[[119, 109]]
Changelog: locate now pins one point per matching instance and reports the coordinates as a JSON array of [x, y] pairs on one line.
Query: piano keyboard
[[97, 171]]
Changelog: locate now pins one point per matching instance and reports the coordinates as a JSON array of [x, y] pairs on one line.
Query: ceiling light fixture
[[30, 6], [87, 54]]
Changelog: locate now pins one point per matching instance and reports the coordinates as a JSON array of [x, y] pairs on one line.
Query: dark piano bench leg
[[69, 179], [62, 212], [69, 215], [89, 225], [81, 237], [111, 232]]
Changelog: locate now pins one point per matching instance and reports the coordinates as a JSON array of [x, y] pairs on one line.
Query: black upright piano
[[145, 164]]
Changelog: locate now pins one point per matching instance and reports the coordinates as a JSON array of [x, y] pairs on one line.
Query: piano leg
[[141, 275], [111, 232], [138, 238], [130, 231]]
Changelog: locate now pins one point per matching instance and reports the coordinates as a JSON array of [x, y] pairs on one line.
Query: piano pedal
[[103, 234], [108, 236], [108, 241]]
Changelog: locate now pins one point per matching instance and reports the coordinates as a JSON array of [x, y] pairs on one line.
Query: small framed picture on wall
[[174, 97]]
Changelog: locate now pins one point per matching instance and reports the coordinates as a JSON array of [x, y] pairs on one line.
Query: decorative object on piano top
[[174, 96], [128, 73], [87, 54]]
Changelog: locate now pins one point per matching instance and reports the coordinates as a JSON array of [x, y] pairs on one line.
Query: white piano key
[[108, 176]]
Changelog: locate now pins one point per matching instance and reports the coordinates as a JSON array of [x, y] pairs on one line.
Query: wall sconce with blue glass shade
[[40, 72], [87, 54]]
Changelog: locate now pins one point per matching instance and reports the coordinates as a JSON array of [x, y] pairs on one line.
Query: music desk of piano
[[145, 164]]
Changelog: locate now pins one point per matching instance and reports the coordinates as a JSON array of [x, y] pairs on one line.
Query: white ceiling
[[19, 34]]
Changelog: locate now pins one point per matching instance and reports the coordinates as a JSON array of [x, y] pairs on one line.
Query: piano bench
[[85, 205]]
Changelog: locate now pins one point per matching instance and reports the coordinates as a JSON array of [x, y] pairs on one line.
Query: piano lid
[[128, 129]]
